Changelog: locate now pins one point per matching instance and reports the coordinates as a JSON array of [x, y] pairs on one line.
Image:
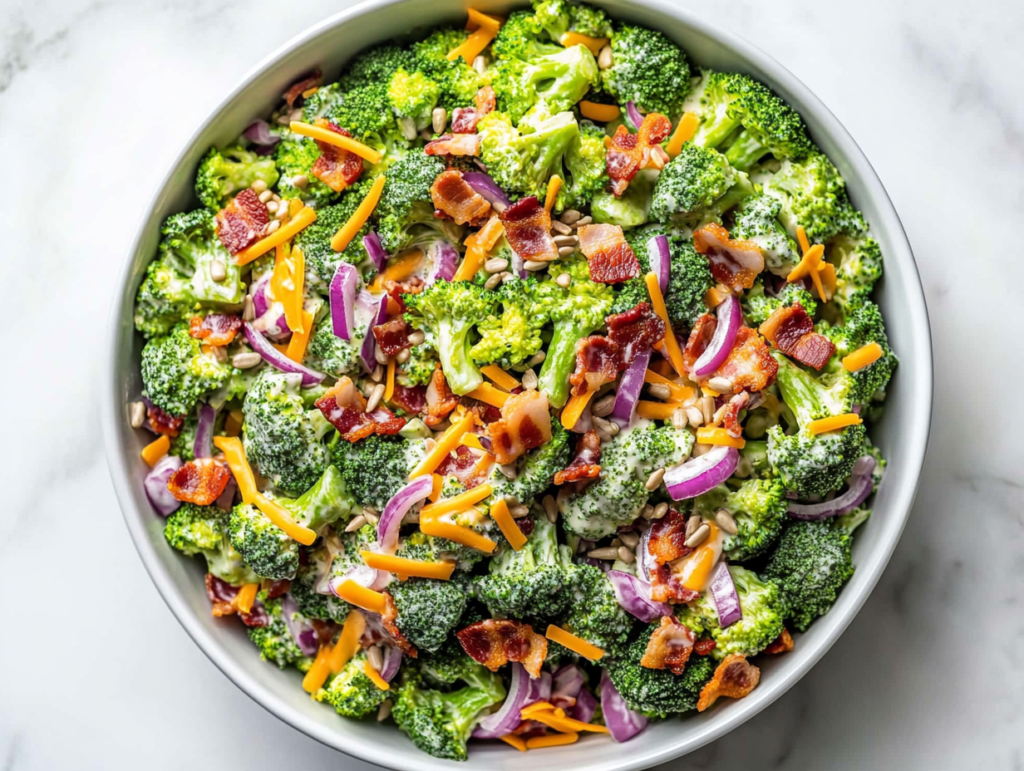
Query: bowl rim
[[869, 571]]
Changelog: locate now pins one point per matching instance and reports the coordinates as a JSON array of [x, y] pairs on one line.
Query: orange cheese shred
[[246, 597], [503, 518], [303, 219], [389, 388], [566, 724], [658, 302], [679, 392], [398, 269], [473, 46], [478, 244], [499, 377], [156, 449], [300, 338], [348, 641], [348, 231], [595, 44], [554, 185], [656, 410], [435, 492], [457, 503], [338, 140], [602, 113], [448, 442], [574, 408], [361, 597], [514, 741], [472, 440], [318, 673], [233, 423], [710, 435], [702, 560], [457, 533], [551, 740], [862, 357], [537, 706], [684, 132], [441, 571], [573, 643], [374, 676], [488, 394], [478, 20], [801, 237], [833, 423]]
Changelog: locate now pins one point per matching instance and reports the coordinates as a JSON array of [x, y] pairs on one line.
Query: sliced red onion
[[540, 688], [586, 707], [202, 445], [727, 601], [155, 485], [630, 386], [363, 575], [566, 685], [270, 319], [259, 134], [860, 486], [301, 630], [519, 265], [623, 723], [392, 663], [374, 248], [634, 114], [378, 316], [698, 475], [226, 501], [486, 187], [278, 360], [661, 260], [342, 294], [260, 303], [729, 320], [634, 596], [645, 561], [444, 260], [390, 521], [506, 719]]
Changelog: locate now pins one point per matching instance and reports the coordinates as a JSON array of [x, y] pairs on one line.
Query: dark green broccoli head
[[315, 240], [697, 185], [265, 547], [176, 373], [810, 565], [863, 325], [689, 274], [375, 468], [275, 641], [183, 445], [556, 17], [758, 507], [311, 603], [351, 692], [858, 264], [223, 173], [406, 210], [428, 609], [536, 469], [204, 530], [449, 663], [594, 614], [757, 221], [329, 353], [647, 69]]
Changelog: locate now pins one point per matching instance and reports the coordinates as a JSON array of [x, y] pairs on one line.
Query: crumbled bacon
[[277, 588], [609, 257], [199, 481], [700, 337], [735, 678], [635, 330], [464, 120], [336, 167], [782, 644], [525, 423], [628, 153], [410, 399], [299, 87], [667, 539], [162, 422], [528, 229], [731, 418], [385, 422], [733, 263], [750, 364], [454, 196], [464, 465], [666, 586], [390, 618], [454, 144], [345, 409], [393, 335], [223, 597], [597, 362], [241, 223], [494, 643], [669, 647], [791, 330], [485, 413], [586, 463], [485, 100], [440, 399], [215, 329], [347, 419], [705, 646]]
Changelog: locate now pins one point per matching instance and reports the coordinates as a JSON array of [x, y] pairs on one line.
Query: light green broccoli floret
[[224, 173], [329, 353], [375, 468], [265, 547], [351, 692], [428, 609], [413, 96], [325, 503], [556, 80], [647, 69], [176, 373], [512, 334], [203, 530], [757, 221], [698, 185], [594, 613], [275, 641]]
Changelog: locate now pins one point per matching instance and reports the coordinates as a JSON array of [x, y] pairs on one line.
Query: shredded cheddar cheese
[[338, 140], [457, 503], [361, 597], [801, 238], [301, 220], [808, 266], [537, 706], [833, 423], [348, 641], [488, 394], [551, 740], [862, 357], [679, 393], [709, 391], [300, 338], [602, 113], [441, 571], [456, 533], [448, 442], [375, 677], [514, 741], [389, 388], [574, 408], [711, 435], [478, 244], [503, 518], [565, 724], [435, 491], [472, 440], [473, 46], [317, 674], [703, 560], [595, 44], [500, 377], [658, 302], [156, 449], [573, 643], [348, 231], [246, 597], [684, 133], [398, 269], [554, 185], [479, 20], [656, 410]]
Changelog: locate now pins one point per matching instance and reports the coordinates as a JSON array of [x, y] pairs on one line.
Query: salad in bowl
[[516, 386]]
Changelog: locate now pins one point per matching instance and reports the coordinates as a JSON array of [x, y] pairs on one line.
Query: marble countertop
[[96, 97]]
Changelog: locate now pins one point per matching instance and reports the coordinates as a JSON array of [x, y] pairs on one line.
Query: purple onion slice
[[278, 360], [342, 295], [729, 320], [155, 485], [698, 475], [727, 601]]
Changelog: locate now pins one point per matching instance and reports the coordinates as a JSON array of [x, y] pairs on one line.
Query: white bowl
[[902, 434]]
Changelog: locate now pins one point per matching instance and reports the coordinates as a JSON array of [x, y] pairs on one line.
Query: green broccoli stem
[[745, 151], [461, 373], [561, 357]]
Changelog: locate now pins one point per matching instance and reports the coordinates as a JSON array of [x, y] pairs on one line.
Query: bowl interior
[[902, 434]]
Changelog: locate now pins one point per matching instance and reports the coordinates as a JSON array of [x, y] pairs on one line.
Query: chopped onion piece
[[634, 595], [155, 485], [506, 719], [622, 722], [698, 475], [486, 187], [729, 320], [379, 316], [278, 360], [202, 445], [374, 248], [444, 259], [634, 114], [630, 386], [860, 486], [342, 295], [259, 134], [586, 707], [392, 663], [727, 601], [298, 625], [390, 521], [661, 260]]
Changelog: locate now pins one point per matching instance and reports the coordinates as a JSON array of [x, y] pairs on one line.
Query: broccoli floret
[[223, 173], [315, 241], [428, 610], [449, 663], [458, 81], [757, 306], [176, 373], [329, 353], [689, 274], [557, 17], [265, 547], [513, 334], [698, 185], [522, 37], [405, 210], [375, 468], [647, 69], [204, 530], [814, 464], [813, 195], [858, 263], [413, 96], [629, 293], [810, 565], [351, 692], [312, 604], [440, 723], [295, 156], [758, 506], [536, 468], [585, 170], [763, 610], [326, 502], [594, 613], [346, 549], [757, 221], [658, 693], [275, 641], [863, 325], [632, 208], [449, 311], [617, 497], [183, 444], [748, 121], [575, 311], [419, 546], [279, 436], [556, 80], [419, 368]]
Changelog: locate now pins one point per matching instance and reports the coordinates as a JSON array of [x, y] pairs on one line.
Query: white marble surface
[[95, 100]]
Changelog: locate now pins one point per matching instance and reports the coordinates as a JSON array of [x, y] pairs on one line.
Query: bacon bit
[[276, 588], [485, 413], [485, 100], [667, 539], [628, 153], [750, 364], [336, 167], [464, 465], [385, 422], [295, 90], [635, 330], [700, 337], [389, 618], [223, 596], [704, 647], [241, 223], [199, 481], [494, 643], [585, 464], [733, 263], [783, 643], [440, 399], [610, 258], [731, 419], [524, 424], [454, 144], [410, 399], [344, 407], [464, 120], [666, 586], [734, 678], [669, 647], [597, 362], [454, 196], [216, 329], [792, 332], [528, 229], [162, 422], [349, 421], [393, 335]]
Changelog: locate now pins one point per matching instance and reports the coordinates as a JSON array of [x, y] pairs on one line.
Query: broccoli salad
[[515, 386]]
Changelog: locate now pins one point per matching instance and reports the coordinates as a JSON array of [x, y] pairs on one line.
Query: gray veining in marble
[[95, 100]]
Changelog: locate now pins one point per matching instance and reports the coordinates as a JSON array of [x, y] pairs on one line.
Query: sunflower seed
[[692, 524], [626, 555], [659, 157], [480, 64], [550, 507], [492, 281], [266, 195], [616, 542], [273, 226], [726, 522], [707, 407], [604, 553], [660, 391], [300, 181], [603, 407], [604, 58], [245, 360], [566, 241], [375, 397], [439, 119], [519, 511], [356, 523], [377, 374], [698, 536], [530, 380], [647, 512], [569, 216], [700, 449], [660, 511], [371, 515], [248, 309], [561, 228], [379, 355], [508, 470], [402, 356], [721, 384], [694, 416], [385, 711], [259, 186], [654, 480], [716, 419], [375, 657], [629, 539], [564, 280], [584, 221], [417, 337], [495, 265], [220, 353], [534, 265], [407, 127], [608, 426], [679, 419], [565, 251], [138, 414], [218, 271], [536, 359]]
